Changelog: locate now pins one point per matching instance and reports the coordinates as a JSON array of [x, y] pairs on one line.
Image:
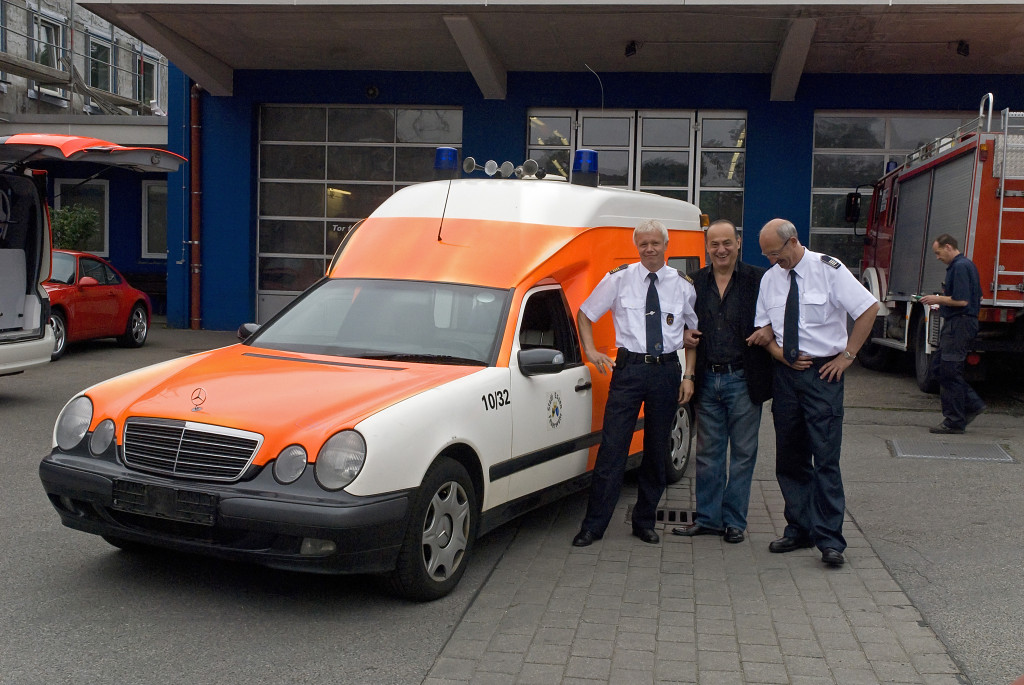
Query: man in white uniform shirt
[[651, 305], [810, 346]]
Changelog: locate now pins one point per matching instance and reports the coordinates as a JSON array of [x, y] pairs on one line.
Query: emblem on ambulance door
[[554, 410]]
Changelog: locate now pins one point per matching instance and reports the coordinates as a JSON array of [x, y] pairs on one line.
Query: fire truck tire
[[922, 360], [873, 356]]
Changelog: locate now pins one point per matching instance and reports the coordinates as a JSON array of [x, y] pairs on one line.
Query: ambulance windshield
[[414, 321]]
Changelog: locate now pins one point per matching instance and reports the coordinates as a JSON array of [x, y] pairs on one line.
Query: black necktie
[[653, 311], [790, 329]]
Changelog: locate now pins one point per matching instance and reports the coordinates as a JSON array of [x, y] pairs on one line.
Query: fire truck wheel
[[922, 360], [439, 540], [873, 356]]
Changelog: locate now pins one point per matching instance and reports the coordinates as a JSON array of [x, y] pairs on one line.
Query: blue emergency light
[[446, 162], [584, 168]]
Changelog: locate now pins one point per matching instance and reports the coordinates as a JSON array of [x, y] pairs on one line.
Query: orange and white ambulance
[[429, 388]]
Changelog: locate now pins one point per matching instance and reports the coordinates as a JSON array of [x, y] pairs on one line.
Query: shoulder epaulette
[[683, 274], [831, 261], [620, 267]]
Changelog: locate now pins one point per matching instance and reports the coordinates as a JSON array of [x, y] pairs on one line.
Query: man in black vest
[[733, 379]]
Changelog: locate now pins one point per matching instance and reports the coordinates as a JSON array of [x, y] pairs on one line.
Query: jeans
[[727, 426]]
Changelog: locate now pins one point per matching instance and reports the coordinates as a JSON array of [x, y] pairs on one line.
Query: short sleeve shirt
[[828, 293], [962, 283], [624, 292]]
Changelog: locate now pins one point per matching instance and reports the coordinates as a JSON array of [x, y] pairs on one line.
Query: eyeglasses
[[775, 254]]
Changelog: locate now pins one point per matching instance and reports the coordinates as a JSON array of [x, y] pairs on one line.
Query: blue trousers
[[656, 387], [808, 416], [727, 426], [958, 397]]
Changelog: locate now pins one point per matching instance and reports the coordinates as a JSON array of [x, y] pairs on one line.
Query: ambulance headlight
[[73, 423], [340, 460], [290, 464], [101, 438]]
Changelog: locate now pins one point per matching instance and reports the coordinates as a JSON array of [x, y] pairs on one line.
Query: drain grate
[[963, 451], [663, 516]]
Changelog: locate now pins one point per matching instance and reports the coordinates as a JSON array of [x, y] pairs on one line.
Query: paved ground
[[703, 611]]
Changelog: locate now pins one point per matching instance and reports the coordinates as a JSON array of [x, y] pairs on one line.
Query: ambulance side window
[[687, 265], [546, 323]]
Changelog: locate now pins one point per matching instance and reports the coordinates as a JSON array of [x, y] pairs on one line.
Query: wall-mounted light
[[963, 48], [631, 48]]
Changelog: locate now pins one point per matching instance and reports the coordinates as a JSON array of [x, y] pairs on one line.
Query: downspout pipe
[[195, 213]]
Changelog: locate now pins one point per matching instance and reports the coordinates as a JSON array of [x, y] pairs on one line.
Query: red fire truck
[[969, 184]]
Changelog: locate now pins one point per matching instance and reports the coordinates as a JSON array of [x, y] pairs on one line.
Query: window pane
[[614, 167], [909, 134], [846, 171], [355, 201], [846, 247], [293, 123], [658, 132], [292, 161], [289, 273], [605, 132], [550, 131], [554, 162], [292, 199], [99, 65], [148, 82], [722, 169], [414, 163], [47, 43], [664, 168], [677, 194], [849, 132], [361, 125], [723, 132], [292, 237], [347, 163], [156, 218], [722, 204], [830, 211], [89, 195], [438, 126]]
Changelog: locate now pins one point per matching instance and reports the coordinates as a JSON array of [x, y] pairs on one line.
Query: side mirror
[[540, 360], [853, 207], [247, 329], [87, 280]]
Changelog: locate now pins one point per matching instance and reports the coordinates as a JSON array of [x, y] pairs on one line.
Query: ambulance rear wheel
[[922, 360], [680, 444], [440, 536]]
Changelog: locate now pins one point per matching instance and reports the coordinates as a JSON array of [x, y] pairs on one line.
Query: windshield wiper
[[428, 358]]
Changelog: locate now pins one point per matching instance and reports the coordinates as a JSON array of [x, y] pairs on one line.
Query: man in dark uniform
[[733, 380], [802, 305], [958, 307], [651, 305]]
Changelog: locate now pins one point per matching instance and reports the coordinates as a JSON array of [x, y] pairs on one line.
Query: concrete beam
[[789, 65], [488, 71]]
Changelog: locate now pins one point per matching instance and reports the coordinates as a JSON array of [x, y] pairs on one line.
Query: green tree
[[73, 225]]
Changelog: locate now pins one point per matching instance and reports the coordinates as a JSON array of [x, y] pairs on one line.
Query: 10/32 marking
[[493, 400]]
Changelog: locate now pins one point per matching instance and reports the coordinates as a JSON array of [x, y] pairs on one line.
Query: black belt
[[627, 357], [725, 368]]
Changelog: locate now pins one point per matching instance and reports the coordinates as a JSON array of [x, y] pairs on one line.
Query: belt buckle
[[652, 359]]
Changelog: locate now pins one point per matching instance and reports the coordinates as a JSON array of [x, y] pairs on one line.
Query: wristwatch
[[689, 377], [848, 356]]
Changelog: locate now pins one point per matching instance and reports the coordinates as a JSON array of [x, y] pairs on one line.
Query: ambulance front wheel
[[442, 529], [680, 443]]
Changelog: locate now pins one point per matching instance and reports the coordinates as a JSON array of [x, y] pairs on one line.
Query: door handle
[[586, 385]]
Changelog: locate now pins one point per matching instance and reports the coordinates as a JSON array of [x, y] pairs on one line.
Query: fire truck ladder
[[1011, 169]]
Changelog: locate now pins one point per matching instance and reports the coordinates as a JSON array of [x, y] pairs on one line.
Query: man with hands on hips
[[802, 306], [651, 305]]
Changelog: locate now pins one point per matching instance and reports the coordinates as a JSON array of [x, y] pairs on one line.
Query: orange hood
[[285, 396]]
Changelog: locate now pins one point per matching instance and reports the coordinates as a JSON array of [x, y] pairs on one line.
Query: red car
[[90, 299]]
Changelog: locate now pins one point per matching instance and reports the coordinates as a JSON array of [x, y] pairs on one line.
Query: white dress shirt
[[624, 292], [828, 292]]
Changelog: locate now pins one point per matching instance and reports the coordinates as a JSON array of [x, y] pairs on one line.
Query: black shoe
[[647, 535], [695, 529], [733, 534], [784, 544], [971, 415], [832, 557], [584, 538], [945, 429]]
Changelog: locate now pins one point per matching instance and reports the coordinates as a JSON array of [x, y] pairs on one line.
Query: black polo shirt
[[720, 320]]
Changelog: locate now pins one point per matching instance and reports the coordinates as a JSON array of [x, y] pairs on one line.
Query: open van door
[[25, 242]]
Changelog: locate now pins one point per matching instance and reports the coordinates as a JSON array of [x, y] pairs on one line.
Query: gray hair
[[651, 226], [784, 229]]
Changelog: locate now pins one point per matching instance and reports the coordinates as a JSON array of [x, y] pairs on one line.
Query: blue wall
[[778, 155]]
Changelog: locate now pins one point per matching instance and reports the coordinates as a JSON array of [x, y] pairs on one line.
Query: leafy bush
[[73, 225]]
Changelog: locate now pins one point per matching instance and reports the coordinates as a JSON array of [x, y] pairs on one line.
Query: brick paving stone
[[561, 619], [756, 636], [633, 659], [540, 674], [806, 665], [631, 677], [923, 645], [676, 651], [448, 667], [884, 651], [761, 653], [500, 662], [718, 677], [465, 649], [890, 671], [716, 643], [597, 631], [590, 647], [715, 626], [846, 659], [928, 664], [627, 639], [847, 676], [443, 681], [799, 647], [717, 661], [548, 654], [493, 679], [588, 667], [510, 642], [758, 672], [675, 672], [838, 640]]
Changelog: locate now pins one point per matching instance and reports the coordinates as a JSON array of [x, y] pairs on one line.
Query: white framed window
[[323, 168], [101, 69], [852, 150], [47, 47], [154, 219], [94, 194], [722, 155], [665, 164]]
